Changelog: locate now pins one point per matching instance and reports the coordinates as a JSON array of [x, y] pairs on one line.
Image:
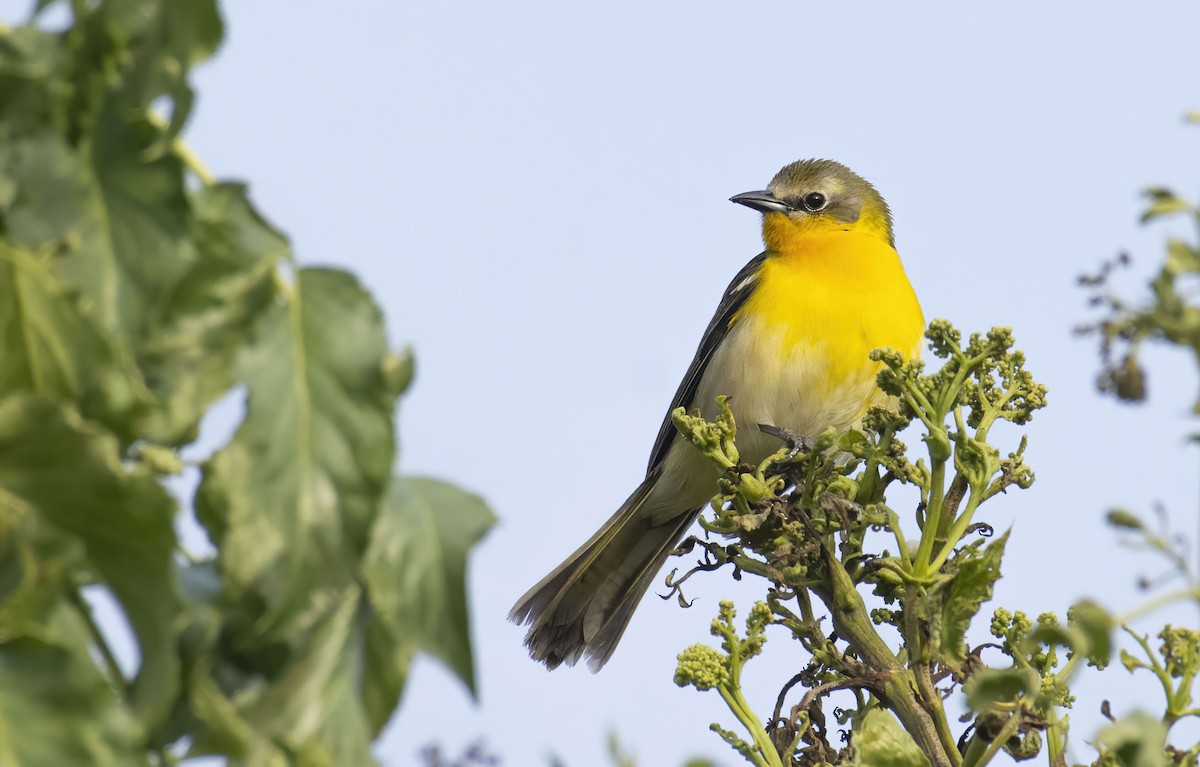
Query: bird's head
[[819, 195]]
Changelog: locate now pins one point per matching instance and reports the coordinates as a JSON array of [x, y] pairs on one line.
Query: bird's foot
[[796, 442]]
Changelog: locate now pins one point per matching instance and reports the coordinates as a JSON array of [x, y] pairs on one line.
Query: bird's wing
[[735, 295]]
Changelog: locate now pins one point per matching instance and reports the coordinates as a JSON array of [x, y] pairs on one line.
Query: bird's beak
[[764, 202]]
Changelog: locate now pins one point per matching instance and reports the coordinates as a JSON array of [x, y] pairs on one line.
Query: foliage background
[[536, 194], [135, 293]]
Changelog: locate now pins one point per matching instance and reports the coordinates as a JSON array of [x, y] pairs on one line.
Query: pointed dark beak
[[763, 202]]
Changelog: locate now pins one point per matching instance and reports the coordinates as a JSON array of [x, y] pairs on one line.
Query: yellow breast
[[797, 353], [842, 292]]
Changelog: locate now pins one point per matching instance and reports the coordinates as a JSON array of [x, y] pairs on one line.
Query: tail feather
[[584, 605], [549, 591], [600, 646]]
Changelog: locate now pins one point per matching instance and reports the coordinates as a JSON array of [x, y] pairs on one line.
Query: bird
[[790, 346]]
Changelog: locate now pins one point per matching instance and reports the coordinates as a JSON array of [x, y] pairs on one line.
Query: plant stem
[[852, 622], [1055, 742], [111, 667], [185, 153], [932, 701], [933, 512], [901, 544], [975, 750], [741, 709], [1009, 729], [1192, 592], [956, 532], [737, 703]]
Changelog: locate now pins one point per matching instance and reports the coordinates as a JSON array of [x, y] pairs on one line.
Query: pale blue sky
[[536, 193]]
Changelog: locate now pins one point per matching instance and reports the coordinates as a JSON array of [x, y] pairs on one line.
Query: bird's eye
[[814, 201]]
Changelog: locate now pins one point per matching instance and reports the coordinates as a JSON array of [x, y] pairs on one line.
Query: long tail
[[584, 605]]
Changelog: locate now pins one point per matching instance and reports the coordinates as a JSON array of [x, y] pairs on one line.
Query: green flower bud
[[702, 667]]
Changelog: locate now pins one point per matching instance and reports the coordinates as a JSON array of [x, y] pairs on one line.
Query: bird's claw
[[796, 442]]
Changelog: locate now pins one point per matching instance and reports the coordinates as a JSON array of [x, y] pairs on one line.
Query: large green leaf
[[118, 225], [56, 709], [131, 301], [291, 499], [161, 42], [45, 203], [69, 474], [415, 568], [38, 564], [50, 346], [206, 318], [29, 59], [336, 691], [172, 277], [389, 653], [335, 685], [310, 713], [176, 34], [135, 245], [96, 180], [314, 708], [206, 715]]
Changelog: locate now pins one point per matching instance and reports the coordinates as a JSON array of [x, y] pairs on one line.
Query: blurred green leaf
[[971, 587], [37, 566], [228, 284], [880, 741], [47, 190], [176, 35], [131, 299], [291, 499], [1124, 519], [118, 225], [52, 347], [134, 247], [56, 708], [415, 567], [389, 653], [1051, 635], [995, 685], [1182, 258], [69, 474], [29, 59], [1138, 740], [339, 687], [1096, 624], [295, 502], [163, 40], [208, 717], [1163, 202], [619, 756], [313, 709]]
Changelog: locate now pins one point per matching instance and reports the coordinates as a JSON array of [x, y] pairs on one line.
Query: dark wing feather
[[735, 295]]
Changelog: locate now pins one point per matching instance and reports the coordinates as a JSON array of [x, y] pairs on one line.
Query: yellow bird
[[789, 344]]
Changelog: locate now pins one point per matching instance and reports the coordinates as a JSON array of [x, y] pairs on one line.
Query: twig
[[797, 679], [872, 682]]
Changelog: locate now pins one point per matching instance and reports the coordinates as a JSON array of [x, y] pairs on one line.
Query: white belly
[[791, 389], [766, 386]]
